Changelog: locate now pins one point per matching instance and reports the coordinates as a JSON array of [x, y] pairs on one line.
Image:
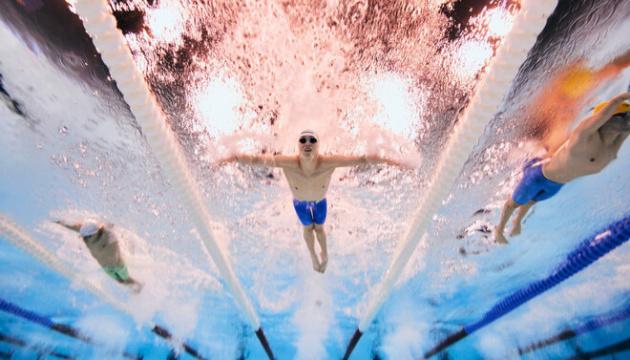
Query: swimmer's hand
[[74, 227]]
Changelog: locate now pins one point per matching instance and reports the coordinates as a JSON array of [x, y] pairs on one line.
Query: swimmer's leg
[[309, 238], [516, 223], [508, 209], [321, 239]]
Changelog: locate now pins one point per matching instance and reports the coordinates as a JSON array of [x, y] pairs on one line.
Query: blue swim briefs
[[311, 212], [534, 185]]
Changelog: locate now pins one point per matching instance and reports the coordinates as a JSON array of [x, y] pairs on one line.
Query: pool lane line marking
[[21, 239], [100, 25], [586, 253], [488, 97]]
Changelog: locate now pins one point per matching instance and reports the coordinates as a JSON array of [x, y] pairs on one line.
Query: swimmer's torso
[[105, 249], [308, 187], [579, 157]]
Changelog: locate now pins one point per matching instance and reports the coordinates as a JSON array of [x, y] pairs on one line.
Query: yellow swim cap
[[624, 107]]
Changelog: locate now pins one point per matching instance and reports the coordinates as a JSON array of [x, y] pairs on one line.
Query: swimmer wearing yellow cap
[[588, 150], [308, 174]]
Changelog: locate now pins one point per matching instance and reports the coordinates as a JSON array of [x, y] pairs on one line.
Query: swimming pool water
[[78, 152]]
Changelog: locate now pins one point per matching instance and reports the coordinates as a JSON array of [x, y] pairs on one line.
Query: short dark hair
[[621, 119]]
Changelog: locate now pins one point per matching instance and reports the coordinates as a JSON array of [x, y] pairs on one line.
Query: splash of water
[[297, 65]]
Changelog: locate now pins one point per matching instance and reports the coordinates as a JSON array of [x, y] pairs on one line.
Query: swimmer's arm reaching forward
[[281, 161], [350, 160], [73, 227], [617, 65], [593, 123]]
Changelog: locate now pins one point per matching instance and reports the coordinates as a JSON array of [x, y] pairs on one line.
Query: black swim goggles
[[304, 139]]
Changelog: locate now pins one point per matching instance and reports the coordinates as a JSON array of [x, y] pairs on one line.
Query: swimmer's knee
[[319, 228]]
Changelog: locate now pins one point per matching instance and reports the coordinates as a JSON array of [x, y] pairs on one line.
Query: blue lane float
[[25, 314], [41, 352], [589, 251], [616, 348], [591, 325], [36, 318]]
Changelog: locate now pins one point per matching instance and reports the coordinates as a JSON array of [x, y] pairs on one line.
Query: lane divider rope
[[589, 251], [21, 239], [100, 24], [489, 95], [591, 325]]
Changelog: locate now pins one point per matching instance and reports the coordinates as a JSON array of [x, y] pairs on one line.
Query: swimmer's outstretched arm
[[593, 123], [617, 65], [73, 227], [281, 161], [351, 160]]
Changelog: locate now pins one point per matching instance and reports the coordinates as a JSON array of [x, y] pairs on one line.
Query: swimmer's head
[[624, 107], [619, 122], [88, 228], [308, 143]]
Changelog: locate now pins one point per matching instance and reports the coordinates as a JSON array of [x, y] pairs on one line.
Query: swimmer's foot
[[324, 262], [135, 286], [316, 265], [499, 238], [516, 229]]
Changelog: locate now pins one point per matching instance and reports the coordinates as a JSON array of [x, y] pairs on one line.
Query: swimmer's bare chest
[[309, 187], [580, 158]]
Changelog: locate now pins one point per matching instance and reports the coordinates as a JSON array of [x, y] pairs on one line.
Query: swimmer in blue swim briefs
[[308, 174], [589, 149]]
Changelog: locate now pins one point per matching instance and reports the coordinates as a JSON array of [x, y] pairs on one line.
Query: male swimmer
[[103, 245], [588, 150], [308, 174], [570, 89]]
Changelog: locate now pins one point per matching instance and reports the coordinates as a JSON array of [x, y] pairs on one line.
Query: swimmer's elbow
[[255, 160], [227, 160]]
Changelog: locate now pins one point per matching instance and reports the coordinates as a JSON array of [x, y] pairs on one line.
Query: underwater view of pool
[[155, 146]]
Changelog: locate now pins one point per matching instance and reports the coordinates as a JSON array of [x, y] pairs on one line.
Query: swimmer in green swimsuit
[[103, 245]]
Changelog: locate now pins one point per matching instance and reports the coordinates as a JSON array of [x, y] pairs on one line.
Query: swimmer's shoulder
[[285, 161]]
